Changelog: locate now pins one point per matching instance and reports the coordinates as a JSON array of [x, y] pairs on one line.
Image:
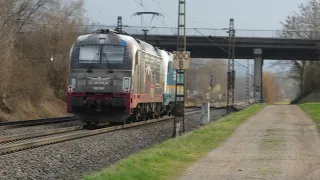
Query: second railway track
[[26, 123], [36, 122], [21, 142]]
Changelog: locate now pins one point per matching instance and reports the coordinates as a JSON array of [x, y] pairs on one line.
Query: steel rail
[[23, 123], [18, 137], [12, 138], [7, 149]]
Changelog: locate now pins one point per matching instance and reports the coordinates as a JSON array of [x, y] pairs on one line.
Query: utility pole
[[194, 93], [252, 84], [180, 94], [248, 83], [231, 72], [195, 84], [211, 84], [145, 32]]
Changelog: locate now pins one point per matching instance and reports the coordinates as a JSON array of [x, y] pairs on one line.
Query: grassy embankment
[[168, 159], [313, 110]]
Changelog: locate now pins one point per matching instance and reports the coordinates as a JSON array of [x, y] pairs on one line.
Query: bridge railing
[[136, 30]]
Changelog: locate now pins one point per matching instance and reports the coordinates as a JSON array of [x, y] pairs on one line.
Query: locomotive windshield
[[101, 56], [112, 54], [89, 54]]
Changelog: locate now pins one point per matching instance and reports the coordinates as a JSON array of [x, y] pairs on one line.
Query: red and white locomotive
[[116, 78]]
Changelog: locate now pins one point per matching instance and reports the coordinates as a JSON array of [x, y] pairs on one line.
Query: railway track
[[21, 142], [19, 137], [25, 123], [36, 122]]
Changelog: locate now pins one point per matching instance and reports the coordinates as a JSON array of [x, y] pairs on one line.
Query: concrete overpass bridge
[[249, 44], [216, 47], [213, 43], [210, 45]]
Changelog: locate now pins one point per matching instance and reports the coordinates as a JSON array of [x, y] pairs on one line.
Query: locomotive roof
[[118, 39]]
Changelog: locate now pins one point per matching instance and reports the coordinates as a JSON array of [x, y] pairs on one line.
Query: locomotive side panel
[[148, 80]]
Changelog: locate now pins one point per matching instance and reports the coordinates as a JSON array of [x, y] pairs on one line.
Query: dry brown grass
[[31, 32], [269, 88]]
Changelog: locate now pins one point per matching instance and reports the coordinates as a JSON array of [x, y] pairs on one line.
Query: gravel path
[[281, 142], [71, 160]]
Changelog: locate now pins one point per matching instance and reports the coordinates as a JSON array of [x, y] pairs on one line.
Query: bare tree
[[214, 67], [304, 25], [31, 33]]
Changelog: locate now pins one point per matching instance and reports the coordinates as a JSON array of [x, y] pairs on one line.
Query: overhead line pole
[[252, 84], [248, 83], [231, 72], [195, 84], [180, 94]]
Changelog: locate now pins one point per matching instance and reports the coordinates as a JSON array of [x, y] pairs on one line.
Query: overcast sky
[[248, 14]]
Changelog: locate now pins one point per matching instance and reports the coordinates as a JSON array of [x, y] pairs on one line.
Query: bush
[[31, 32]]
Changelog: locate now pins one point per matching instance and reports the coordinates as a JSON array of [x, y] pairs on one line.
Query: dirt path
[[280, 143]]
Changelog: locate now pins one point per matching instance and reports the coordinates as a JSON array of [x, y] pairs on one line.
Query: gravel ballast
[[73, 159]]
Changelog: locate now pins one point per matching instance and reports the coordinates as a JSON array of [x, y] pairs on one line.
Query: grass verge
[[313, 111], [168, 159]]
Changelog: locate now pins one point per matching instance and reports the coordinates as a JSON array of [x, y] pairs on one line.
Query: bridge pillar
[[258, 64]]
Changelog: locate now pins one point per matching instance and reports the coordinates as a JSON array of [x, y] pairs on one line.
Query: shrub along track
[[10, 144]]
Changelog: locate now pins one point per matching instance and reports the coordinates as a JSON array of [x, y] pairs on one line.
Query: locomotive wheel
[[90, 125]]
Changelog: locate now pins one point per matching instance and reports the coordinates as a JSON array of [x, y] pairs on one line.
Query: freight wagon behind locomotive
[[115, 78]]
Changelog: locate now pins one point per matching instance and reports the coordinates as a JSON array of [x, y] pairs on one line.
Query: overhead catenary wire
[[164, 24], [238, 64]]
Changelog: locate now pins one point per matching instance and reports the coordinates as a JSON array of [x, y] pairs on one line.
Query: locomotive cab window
[[100, 56], [112, 54], [89, 54]]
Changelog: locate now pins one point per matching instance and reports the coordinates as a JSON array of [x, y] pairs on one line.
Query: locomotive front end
[[100, 78]]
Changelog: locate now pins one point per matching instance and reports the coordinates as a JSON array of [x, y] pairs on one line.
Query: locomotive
[[116, 78]]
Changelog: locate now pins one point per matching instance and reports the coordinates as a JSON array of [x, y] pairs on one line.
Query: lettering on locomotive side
[[98, 83], [99, 88]]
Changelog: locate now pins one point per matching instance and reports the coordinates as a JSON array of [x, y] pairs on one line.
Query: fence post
[[205, 113]]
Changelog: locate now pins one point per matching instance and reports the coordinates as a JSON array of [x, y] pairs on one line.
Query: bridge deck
[[217, 47]]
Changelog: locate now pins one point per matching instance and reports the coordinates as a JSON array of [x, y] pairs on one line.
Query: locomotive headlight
[[126, 84], [102, 40], [74, 82]]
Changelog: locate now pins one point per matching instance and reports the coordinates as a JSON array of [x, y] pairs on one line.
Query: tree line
[[303, 24], [35, 40]]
